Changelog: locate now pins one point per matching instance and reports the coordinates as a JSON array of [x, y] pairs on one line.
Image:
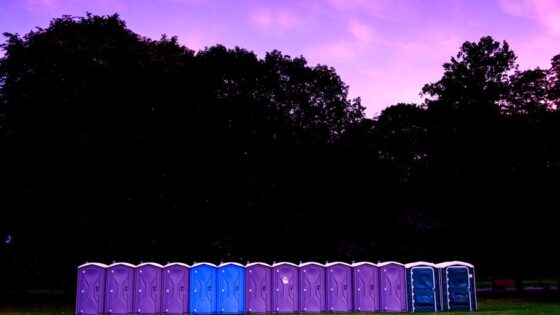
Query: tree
[[529, 92], [476, 78]]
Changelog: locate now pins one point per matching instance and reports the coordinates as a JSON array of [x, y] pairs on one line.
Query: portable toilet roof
[[364, 263], [337, 263], [150, 264], [231, 263], [203, 263], [92, 264], [385, 263], [311, 263], [453, 263], [284, 263], [121, 263], [420, 263], [258, 263], [176, 264]]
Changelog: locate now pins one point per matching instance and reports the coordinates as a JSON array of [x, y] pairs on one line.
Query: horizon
[[385, 51]]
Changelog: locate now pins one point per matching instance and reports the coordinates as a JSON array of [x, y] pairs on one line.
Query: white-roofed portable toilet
[[258, 288], [366, 287], [458, 286], [119, 290], [285, 281], [392, 285], [231, 288], [175, 289], [422, 279], [312, 287], [90, 292], [203, 288], [339, 287], [147, 288]]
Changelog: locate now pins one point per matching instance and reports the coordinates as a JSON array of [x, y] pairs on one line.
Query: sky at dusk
[[385, 50]]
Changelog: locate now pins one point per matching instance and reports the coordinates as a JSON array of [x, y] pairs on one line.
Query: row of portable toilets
[[232, 288]]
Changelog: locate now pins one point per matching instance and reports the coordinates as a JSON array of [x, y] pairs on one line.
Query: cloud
[[392, 10], [546, 12], [274, 20]]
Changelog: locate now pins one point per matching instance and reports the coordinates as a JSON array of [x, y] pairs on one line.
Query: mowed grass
[[515, 306]]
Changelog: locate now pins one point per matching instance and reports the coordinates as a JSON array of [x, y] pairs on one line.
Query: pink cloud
[[275, 20], [546, 12], [393, 10]]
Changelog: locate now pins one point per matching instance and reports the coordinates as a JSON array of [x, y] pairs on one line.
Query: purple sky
[[385, 50]]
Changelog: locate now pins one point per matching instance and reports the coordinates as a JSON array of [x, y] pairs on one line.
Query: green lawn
[[486, 306]]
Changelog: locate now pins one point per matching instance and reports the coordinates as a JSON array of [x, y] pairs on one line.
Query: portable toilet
[[423, 287], [202, 288], [231, 288], [175, 293], [458, 286], [119, 288], [365, 285], [90, 289], [285, 288], [147, 288], [392, 284], [339, 287], [312, 287], [258, 288]]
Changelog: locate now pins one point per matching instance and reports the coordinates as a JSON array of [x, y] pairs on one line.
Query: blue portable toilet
[[423, 286], [458, 286], [231, 288], [119, 289], [203, 288], [90, 289], [175, 284]]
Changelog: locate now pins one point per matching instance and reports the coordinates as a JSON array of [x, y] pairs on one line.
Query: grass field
[[486, 305]]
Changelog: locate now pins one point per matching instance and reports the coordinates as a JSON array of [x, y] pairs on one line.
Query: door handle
[[182, 288], [372, 287]]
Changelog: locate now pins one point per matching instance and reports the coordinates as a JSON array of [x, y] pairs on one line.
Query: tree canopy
[[119, 147]]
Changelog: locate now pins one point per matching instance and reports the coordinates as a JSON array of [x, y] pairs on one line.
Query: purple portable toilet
[[392, 284], [365, 286], [312, 287], [175, 293], [258, 288], [90, 289], [147, 288], [285, 283], [119, 288], [339, 287]]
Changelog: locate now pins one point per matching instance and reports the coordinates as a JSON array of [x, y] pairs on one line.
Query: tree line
[[114, 146]]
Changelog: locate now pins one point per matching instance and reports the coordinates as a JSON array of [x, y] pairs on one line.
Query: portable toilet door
[[365, 285], [458, 286], [231, 288], [175, 285], [119, 289], [286, 286], [312, 287], [90, 289], [202, 291], [423, 288], [392, 285], [258, 288], [147, 288], [339, 287]]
